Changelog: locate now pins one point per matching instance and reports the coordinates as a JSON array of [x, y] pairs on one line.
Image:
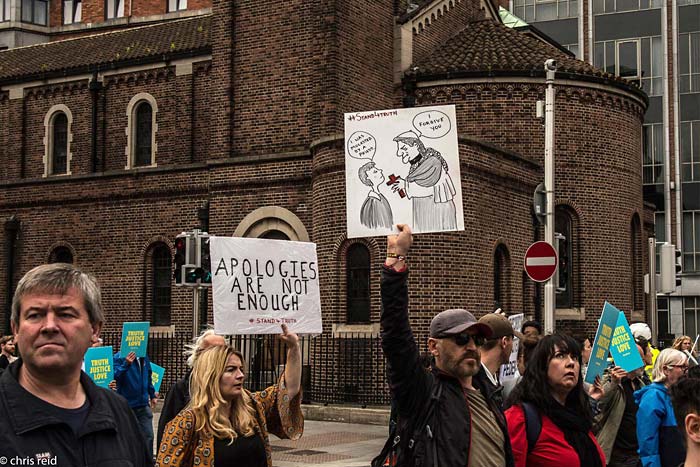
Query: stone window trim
[[130, 150], [48, 139], [268, 218]]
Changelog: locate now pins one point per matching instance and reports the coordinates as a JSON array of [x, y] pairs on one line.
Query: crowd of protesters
[[458, 413], [450, 406]]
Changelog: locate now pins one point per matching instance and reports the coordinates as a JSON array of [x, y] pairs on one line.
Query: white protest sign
[[510, 369], [258, 285], [402, 167]]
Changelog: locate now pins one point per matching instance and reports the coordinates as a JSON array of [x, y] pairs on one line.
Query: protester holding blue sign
[[617, 422], [660, 442], [135, 384]]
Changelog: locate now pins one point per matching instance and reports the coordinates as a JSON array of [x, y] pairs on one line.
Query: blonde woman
[[660, 442], [224, 424], [685, 345]]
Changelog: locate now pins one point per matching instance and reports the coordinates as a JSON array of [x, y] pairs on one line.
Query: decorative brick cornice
[[141, 77], [58, 89], [582, 92], [430, 13]]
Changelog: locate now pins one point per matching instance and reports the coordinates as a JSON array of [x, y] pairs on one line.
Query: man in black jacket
[[467, 427], [53, 413]]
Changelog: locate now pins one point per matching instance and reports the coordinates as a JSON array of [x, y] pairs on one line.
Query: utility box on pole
[[670, 267]]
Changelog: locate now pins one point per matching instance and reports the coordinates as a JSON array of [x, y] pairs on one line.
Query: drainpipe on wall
[[677, 129], [11, 236], [104, 131], [95, 87], [23, 148], [667, 146]]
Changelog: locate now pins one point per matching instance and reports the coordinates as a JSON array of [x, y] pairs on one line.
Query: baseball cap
[[500, 326], [640, 330], [456, 321]]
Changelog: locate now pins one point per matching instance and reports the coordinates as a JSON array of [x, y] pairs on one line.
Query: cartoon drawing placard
[[99, 365], [258, 285], [623, 348], [135, 338], [402, 167], [157, 373], [601, 343], [510, 369]]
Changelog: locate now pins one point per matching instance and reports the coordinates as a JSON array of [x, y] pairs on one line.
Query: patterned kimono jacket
[[182, 446]]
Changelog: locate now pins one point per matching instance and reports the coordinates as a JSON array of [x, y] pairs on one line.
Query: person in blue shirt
[[660, 441], [135, 384]]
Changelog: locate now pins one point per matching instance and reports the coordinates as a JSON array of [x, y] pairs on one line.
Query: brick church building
[[141, 119]]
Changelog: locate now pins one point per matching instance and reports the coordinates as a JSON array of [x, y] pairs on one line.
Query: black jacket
[[110, 436], [412, 386], [176, 400]]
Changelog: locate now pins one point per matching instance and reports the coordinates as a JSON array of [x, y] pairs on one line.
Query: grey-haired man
[[54, 414]]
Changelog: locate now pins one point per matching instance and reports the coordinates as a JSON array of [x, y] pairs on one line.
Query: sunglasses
[[464, 339]]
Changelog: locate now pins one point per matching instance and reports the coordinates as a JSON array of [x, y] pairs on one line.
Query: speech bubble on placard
[[432, 124], [362, 145]]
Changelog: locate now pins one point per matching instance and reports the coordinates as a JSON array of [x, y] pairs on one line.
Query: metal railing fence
[[335, 370]]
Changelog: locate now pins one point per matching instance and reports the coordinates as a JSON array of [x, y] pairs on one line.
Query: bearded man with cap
[[447, 416], [496, 351]]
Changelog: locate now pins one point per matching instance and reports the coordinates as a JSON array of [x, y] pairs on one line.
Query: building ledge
[[358, 331], [570, 314]]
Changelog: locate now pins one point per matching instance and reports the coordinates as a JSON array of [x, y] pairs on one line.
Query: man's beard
[[459, 368]]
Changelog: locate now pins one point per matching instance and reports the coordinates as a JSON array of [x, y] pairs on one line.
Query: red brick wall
[[598, 142], [365, 58], [274, 73]]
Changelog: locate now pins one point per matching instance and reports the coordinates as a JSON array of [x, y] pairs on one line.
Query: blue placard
[[157, 373], [99, 365], [623, 348], [135, 338], [601, 343]]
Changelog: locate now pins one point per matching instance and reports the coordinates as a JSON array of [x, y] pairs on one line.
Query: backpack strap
[[426, 420], [533, 425], [390, 451]]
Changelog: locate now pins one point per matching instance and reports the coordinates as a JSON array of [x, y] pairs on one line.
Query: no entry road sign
[[540, 261]]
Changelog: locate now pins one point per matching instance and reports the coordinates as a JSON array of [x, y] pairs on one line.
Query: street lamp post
[[550, 67]]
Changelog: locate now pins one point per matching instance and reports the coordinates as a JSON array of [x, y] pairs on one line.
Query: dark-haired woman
[[552, 385]]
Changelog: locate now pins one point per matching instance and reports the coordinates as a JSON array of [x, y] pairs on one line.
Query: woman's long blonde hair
[[213, 413], [679, 340]]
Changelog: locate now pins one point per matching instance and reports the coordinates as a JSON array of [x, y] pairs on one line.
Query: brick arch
[[340, 249], [268, 218], [148, 245], [62, 244], [502, 285], [575, 296], [637, 261], [147, 271]]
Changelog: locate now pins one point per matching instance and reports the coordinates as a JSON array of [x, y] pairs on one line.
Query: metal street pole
[[550, 67], [195, 312], [653, 315]]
